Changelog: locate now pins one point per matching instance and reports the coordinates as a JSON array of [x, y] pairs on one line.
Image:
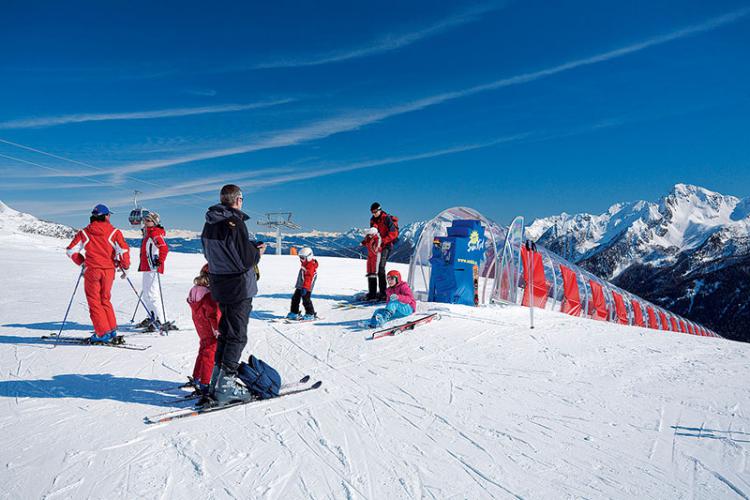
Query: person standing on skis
[[100, 248], [303, 289], [154, 251], [387, 226], [232, 258]]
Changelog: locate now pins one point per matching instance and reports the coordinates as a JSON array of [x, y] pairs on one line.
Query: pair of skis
[[409, 325], [118, 342], [286, 390]]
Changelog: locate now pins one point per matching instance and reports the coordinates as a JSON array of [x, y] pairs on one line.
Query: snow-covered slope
[[13, 222], [475, 405]]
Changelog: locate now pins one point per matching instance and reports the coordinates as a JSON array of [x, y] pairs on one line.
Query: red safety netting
[[620, 309], [664, 321], [690, 329], [540, 285], [637, 313], [675, 326], [598, 306], [652, 321], [571, 303], [682, 326]]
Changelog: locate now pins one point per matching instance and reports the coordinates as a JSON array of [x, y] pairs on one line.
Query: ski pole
[[65, 319], [163, 310], [137, 305], [126, 277]]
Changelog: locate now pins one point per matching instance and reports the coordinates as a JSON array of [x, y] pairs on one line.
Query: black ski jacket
[[231, 255]]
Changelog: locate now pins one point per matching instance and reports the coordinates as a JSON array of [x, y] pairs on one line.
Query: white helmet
[[372, 231], [306, 253]]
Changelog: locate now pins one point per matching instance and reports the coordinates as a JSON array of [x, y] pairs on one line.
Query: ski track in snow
[[474, 405]]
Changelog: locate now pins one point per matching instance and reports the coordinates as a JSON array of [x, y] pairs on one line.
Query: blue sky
[[511, 107]]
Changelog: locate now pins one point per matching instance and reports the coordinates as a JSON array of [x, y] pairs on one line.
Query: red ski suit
[[386, 228], [152, 246], [102, 248], [373, 243], [206, 316]]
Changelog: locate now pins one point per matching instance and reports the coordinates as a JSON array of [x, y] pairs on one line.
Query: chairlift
[[138, 213]]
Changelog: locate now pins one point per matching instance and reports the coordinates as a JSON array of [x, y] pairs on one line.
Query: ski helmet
[[153, 217], [306, 253], [371, 231], [394, 274], [375, 206]]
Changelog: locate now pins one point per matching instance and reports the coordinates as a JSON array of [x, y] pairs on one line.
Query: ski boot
[[294, 316], [309, 317], [107, 338], [380, 318], [228, 389]]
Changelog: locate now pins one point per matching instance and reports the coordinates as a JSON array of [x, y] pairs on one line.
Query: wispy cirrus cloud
[[51, 121], [353, 121], [386, 43]]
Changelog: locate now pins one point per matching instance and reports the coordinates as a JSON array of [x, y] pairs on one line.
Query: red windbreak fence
[[652, 321], [620, 309], [664, 321], [598, 306], [572, 299], [683, 329], [675, 326], [540, 285], [637, 313]]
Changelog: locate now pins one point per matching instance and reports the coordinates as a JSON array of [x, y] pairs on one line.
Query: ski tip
[[316, 384], [304, 379]]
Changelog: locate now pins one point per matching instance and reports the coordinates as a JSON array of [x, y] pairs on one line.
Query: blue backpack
[[262, 380]]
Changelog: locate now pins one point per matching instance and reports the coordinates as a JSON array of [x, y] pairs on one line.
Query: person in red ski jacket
[[154, 252], [388, 231], [100, 248], [306, 277], [401, 301], [374, 244], [206, 316]]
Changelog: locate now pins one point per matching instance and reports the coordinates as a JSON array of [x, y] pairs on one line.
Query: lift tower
[[278, 220]]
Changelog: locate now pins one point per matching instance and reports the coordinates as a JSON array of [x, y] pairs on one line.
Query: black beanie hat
[[375, 206]]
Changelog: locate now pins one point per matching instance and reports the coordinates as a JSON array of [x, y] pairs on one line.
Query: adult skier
[[154, 251], [100, 248], [232, 258], [387, 226]]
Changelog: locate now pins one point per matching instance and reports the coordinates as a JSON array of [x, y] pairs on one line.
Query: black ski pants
[[381, 269], [232, 333], [306, 301]]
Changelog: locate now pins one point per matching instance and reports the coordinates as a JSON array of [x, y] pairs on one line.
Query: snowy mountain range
[[689, 252]]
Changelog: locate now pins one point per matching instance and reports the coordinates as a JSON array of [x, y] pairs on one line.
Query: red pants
[[98, 286], [204, 363]]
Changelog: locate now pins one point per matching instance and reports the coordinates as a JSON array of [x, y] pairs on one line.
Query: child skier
[[303, 289], [206, 318], [374, 244], [400, 300], [153, 254]]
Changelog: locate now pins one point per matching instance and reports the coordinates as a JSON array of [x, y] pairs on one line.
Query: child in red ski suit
[[308, 273], [401, 301], [100, 248], [374, 244], [206, 316]]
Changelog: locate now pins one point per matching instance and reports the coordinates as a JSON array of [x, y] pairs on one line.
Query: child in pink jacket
[[400, 300], [206, 317]]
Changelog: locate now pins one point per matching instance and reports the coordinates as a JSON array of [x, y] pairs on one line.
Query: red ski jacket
[[152, 246], [206, 314], [307, 274], [386, 228], [373, 244], [100, 245]]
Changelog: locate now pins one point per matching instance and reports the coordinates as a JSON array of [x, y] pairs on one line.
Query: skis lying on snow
[[200, 410], [393, 330], [118, 342], [357, 304], [195, 395], [293, 321]]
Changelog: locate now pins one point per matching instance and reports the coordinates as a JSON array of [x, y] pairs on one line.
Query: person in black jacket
[[232, 259]]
